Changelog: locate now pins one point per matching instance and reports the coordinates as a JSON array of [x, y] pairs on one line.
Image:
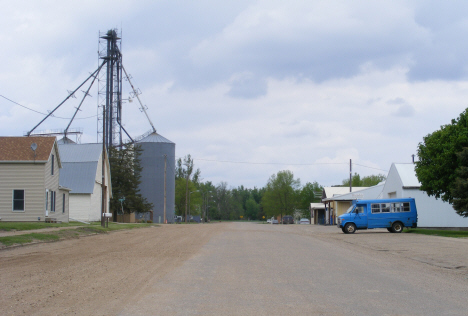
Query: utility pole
[[165, 169], [350, 175]]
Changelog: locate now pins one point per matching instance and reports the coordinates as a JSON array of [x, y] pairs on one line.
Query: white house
[[82, 172], [30, 168], [402, 183]]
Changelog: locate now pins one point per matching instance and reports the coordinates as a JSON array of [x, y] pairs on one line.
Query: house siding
[[96, 203], [27, 177], [80, 206], [97, 193], [51, 182]]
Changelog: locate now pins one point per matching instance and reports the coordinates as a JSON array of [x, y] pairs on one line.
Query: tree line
[[282, 195]]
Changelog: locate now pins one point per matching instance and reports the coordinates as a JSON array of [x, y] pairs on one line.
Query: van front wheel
[[397, 227], [349, 228]]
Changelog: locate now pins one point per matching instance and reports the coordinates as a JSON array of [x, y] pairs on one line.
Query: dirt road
[[237, 269], [95, 275]]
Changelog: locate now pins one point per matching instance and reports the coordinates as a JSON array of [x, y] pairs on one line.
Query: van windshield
[[350, 209]]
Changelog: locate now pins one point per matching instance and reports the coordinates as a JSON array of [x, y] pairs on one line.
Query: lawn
[[80, 230], [7, 226], [439, 232]]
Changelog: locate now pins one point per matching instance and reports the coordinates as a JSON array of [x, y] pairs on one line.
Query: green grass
[[118, 226], [27, 238], [7, 226], [439, 232], [93, 228]]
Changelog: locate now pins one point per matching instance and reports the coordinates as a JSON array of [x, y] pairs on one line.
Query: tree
[[368, 181], [439, 158], [251, 208], [459, 188], [125, 178], [184, 170], [281, 196], [310, 193]]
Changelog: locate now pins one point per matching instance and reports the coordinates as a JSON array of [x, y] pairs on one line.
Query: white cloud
[[306, 84]]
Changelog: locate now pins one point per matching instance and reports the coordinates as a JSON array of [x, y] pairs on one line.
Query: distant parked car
[[304, 221], [274, 220], [269, 221], [288, 219]]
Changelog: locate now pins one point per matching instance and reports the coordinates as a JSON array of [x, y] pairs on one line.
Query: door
[[360, 216]]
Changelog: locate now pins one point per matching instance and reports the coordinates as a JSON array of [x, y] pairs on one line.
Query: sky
[[248, 88]]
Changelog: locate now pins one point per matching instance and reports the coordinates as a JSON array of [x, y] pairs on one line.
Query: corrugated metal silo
[[154, 148]]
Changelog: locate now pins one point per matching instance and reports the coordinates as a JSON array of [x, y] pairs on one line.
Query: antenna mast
[[136, 93]]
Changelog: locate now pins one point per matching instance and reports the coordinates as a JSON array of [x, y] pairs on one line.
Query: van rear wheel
[[349, 228], [397, 227]]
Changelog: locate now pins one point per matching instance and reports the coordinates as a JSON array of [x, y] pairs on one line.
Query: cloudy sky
[[249, 87]]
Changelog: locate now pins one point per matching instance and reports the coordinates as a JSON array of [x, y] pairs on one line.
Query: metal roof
[[65, 140], [333, 191], [369, 193], [78, 176], [80, 152], [407, 175], [79, 166], [155, 138], [317, 206]]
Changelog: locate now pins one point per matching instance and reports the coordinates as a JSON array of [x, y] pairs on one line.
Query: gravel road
[[238, 269]]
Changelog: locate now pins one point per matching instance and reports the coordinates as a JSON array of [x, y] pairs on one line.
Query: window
[[396, 207], [63, 204], [375, 208], [52, 166], [52, 201], [18, 200], [406, 207], [360, 209], [47, 200], [385, 207]]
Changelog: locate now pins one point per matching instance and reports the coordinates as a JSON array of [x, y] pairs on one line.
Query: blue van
[[393, 214]]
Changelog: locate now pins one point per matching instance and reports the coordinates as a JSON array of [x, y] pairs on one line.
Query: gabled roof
[[80, 152], [79, 176], [369, 193], [18, 149], [407, 175], [80, 162], [329, 192]]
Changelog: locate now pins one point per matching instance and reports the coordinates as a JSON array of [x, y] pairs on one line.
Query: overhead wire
[[284, 164], [63, 118]]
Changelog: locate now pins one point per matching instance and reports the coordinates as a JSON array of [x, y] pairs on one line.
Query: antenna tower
[[110, 89]]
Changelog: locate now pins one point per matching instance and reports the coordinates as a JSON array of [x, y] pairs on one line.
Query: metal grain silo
[[157, 152]]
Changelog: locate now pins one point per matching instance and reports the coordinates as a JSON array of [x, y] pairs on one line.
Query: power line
[[63, 118], [289, 164]]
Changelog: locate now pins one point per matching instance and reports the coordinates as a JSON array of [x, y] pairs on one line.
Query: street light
[[190, 193]]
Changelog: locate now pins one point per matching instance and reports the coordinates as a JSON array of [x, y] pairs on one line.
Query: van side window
[[360, 209], [375, 208], [385, 207], [396, 207], [406, 207]]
